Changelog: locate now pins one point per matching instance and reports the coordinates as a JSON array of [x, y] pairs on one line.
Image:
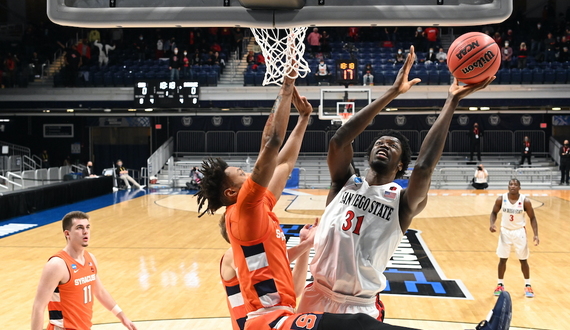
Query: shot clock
[[347, 71]]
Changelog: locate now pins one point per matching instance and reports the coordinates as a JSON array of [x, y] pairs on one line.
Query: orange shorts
[[284, 320]]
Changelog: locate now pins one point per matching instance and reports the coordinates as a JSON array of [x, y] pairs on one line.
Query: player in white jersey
[[513, 232], [365, 219]]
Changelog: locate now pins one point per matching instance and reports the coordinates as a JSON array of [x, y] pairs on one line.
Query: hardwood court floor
[[160, 262]]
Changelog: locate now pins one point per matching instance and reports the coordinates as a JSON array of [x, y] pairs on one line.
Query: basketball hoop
[[281, 48], [345, 116]]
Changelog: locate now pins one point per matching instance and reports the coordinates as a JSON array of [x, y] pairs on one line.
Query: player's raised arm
[[340, 151], [494, 212], [55, 271], [273, 135], [533, 223], [290, 152], [415, 196], [108, 302]]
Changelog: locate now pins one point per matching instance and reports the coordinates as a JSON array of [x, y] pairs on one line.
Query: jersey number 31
[[349, 220]]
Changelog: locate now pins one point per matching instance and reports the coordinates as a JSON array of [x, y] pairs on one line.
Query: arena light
[[132, 110], [391, 109], [473, 108], [70, 110], [148, 110], [107, 110], [4, 120], [45, 111], [485, 108], [225, 109], [556, 109]]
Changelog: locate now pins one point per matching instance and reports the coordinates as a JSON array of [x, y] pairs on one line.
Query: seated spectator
[[195, 179], [564, 55], [210, 58], [256, 47], [430, 57], [219, 61], [399, 57], [522, 56], [323, 73], [419, 40], [123, 174], [88, 171], [506, 56], [369, 67], [259, 59], [250, 59], [197, 58], [441, 56], [368, 78], [479, 180]]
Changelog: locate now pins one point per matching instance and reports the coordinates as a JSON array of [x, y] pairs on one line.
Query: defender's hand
[[302, 104], [460, 92]]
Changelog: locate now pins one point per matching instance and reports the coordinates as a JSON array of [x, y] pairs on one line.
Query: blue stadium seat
[[516, 76], [129, 79], [212, 79], [202, 78], [423, 75], [537, 76], [97, 79], [561, 76], [526, 75], [389, 77], [119, 78], [259, 78], [444, 77], [249, 79], [433, 77], [108, 79], [139, 75], [505, 76], [549, 76]]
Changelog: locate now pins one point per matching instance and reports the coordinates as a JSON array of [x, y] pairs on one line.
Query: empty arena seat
[[444, 77], [433, 77], [549, 76], [526, 76], [561, 76], [248, 79], [505, 76], [119, 78], [516, 76], [108, 79], [537, 76]]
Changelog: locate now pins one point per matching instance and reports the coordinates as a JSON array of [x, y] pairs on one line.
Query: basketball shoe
[[500, 317], [500, 288], [528, 292]]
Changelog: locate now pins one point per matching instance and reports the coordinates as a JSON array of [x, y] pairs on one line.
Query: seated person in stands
[[323, 73], [441, 56], [368, 78], [195, 179], [123, 174], [400, 57], [480, 178], [250, 59], [564, 55], [88, 170], [431, 57]]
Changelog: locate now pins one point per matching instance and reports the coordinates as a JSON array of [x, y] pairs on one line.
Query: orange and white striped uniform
[[71, 305], [235, 302]]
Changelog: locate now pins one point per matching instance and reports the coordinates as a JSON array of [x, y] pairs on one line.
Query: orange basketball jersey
[[71, 305], [235, 302], [262, 265]]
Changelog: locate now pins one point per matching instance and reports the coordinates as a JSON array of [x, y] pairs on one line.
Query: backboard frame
[[336, 116], [207, 13]]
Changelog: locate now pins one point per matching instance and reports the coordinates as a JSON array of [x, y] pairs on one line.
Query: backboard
[[335, 101], [277, 13]]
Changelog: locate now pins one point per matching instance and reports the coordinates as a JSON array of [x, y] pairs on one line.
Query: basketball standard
[[276, 13]]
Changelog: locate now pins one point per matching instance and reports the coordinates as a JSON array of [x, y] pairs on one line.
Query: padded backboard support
[[208, 13]]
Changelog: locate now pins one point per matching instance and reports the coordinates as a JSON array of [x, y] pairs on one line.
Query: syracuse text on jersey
[[85, 279]]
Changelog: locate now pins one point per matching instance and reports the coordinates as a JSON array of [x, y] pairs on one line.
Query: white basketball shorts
[[509, 238], [317, 297]]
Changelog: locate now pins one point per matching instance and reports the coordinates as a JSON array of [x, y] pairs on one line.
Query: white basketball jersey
[[513, 214], [356, 237]]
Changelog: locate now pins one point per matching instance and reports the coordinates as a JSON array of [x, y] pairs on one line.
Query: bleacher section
[[127, 69], [452, 172], [430, 73]]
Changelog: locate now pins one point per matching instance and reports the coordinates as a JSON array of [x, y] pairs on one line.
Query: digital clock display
[[166, 94], [347, 71]]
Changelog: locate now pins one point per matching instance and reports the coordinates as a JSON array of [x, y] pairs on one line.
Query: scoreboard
[[166, 94], [347, 71]]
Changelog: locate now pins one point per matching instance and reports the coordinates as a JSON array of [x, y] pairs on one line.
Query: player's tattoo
[[276, 104]]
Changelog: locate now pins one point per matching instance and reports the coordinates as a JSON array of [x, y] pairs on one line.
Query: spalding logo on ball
[[473, 57]]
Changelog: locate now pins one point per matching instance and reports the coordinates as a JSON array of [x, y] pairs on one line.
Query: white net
[[281, 48]]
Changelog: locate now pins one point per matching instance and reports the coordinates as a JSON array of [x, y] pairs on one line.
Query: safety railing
[[157, 160], [450, 176], [10, 185], [554, 149], [29, 163]]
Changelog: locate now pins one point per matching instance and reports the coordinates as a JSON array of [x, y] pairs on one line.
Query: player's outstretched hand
[[493, 228], [536, 240], [126, 322], [301, 104], [307, 233], [402, 84], [460, 92]]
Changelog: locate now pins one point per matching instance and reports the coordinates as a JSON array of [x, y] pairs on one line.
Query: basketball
[[473, 57]]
